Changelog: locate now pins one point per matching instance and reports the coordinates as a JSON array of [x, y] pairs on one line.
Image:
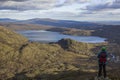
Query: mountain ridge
[[54, 22]]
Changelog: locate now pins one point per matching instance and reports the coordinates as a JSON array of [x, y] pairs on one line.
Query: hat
[[103, 49]]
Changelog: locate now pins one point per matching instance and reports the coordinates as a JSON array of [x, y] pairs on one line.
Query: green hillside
[[65, 60]]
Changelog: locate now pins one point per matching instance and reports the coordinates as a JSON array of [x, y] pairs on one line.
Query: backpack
[[102, 58]]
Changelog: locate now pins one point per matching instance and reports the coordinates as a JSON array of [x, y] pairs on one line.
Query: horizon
[[76, 10], [62, 19]]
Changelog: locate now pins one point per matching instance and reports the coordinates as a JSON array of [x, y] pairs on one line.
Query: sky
[[80, 10]]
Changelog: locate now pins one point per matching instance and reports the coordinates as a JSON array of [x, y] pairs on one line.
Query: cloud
[[60, 3], [102, 5], [115, 5], [61, 9], [13, 0], [23, 5]]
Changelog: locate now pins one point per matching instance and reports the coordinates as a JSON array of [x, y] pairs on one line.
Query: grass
[[65, 60]]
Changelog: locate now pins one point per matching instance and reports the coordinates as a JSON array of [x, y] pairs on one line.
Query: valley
[[66, 59]]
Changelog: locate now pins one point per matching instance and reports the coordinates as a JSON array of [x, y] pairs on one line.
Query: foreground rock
[[101, 78]]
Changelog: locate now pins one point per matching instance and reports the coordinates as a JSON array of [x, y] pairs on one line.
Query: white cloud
[[103, 4], [27, 5], [61, 9]]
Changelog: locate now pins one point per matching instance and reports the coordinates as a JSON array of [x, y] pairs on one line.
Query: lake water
[[48, 36]]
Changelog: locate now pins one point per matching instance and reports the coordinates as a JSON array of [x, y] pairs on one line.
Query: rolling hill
[[61, 23], [23, 26], [55, 23], [109, 22], [8, 20]]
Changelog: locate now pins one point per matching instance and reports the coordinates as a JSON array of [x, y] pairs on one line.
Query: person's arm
[[106, 54], [98, 55]]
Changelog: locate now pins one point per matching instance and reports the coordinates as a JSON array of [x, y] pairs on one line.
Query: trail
[[23, 46]]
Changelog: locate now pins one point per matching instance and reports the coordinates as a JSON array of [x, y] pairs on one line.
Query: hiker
[[102, 60]]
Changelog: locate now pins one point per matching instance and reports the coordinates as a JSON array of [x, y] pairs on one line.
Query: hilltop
[[10, 38]]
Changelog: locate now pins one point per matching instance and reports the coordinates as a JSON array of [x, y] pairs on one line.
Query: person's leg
[[100, 70], [104, 70]]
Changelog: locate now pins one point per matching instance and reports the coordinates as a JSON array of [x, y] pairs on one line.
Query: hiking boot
[[107, 78], [97, 78]]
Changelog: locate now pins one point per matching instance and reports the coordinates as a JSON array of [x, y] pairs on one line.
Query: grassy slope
[[110, 32], [45, 61], [20, 26]]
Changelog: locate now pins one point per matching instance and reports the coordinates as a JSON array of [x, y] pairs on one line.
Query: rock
[[101, 78], [66, 43]]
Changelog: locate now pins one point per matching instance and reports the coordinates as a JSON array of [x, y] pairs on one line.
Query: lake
[[49, 36]]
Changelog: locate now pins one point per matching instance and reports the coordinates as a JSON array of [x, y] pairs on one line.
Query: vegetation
[[24, 26], [110, 32], [65, 60], [78, 32], [72, 31]]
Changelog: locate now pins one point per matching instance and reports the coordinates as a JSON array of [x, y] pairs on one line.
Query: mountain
[[109, 22], [53, 22], [8, 20], [61, 23], [24, 26], [9, 37]]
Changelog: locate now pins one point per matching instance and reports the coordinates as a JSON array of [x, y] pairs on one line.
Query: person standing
[[102, 60]]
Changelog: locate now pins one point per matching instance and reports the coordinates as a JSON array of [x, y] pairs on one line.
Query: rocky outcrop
[[76, 47]]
